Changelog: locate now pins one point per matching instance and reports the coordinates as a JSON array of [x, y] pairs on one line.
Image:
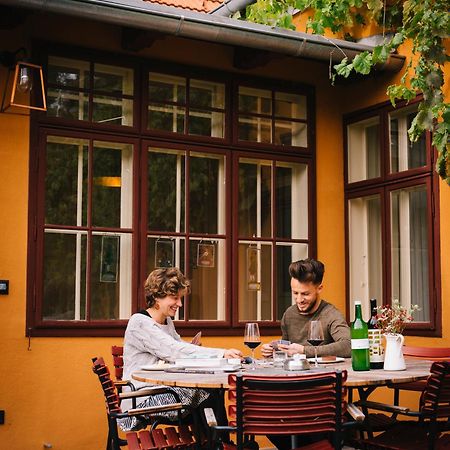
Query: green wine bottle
[[360, 341]]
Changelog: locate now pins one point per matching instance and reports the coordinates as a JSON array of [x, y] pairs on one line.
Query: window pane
[[68, 73], [111, 276], [64, 280], [291, 197], [291, 133], [255, 281], [112, 111], [205, 94], [166, 88], [286, 253], [365, 255], [409, 250], [207, 193], [166, 191], [166, 252], [255, 181], [363, 150], [166, 118], [207, 268], [67, 104], [405, 154], [255, 101], [66, 181], [112, 191], [291, 106], [206, 123], [113, 79], [255, 129]]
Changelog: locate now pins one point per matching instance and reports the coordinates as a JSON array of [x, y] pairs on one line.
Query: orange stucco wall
[[48, 391]]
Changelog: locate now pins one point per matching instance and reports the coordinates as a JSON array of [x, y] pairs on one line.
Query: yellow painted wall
[[48, 391]]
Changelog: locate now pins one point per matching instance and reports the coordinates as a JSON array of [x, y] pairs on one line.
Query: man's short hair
[[307, 270]]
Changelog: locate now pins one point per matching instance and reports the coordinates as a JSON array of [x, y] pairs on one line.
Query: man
[[306, 285]]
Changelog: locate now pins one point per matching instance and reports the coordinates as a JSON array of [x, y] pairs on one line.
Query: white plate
[[160, 367], [320, 361]]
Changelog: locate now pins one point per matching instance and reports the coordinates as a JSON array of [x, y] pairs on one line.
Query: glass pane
[[112, 190], [166, 88], [254, 209], [255, 101], [166, 118], [255, 129], [291, 133], [207, 268], [405, 154], [363, 150], [113, 79], [68, 73], [64, 280], [110, 276], [291, 106], [66, 181], [255, 281], [409, 228], [286, 253], [207, 193], [291, 200], [205, 94], [67, 104], [166, 252], [166, 190], [206, 123], [365, 250], [112, 111]]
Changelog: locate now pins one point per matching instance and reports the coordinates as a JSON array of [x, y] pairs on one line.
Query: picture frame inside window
[[164, 253], [109, 259]]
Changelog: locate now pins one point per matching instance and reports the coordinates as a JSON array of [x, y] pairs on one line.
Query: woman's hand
[[292, 349], [232, 353], [267, 350]]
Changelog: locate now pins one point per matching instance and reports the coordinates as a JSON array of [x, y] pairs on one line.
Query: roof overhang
[[211, 28]]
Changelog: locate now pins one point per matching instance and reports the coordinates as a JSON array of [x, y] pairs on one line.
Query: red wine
[[315, 342], [252, 344]]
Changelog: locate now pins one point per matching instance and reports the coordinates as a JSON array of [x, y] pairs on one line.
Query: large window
[[392, 228], [133, 178]]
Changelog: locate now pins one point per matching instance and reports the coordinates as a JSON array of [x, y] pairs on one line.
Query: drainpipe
[[229, 7]]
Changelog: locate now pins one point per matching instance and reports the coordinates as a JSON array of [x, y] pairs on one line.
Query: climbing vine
[[425, 23]]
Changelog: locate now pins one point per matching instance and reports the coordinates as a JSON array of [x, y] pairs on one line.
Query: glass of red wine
[[315, 337], [252, 339]]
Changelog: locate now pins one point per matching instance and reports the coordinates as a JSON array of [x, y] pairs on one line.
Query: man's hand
[[292, 349], [232, 353], [267, 350]]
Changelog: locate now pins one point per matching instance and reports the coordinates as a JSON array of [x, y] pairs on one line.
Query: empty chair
[[432, 417], [291, 405]]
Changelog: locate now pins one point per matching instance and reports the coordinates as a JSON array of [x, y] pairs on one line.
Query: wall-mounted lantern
[[24, 86]]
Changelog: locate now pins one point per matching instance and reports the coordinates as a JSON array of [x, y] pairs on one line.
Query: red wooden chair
[[113, 410], [432, 417], [291, 405], [159, 438]]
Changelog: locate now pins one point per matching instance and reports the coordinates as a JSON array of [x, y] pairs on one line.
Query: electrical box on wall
[[4, 287]]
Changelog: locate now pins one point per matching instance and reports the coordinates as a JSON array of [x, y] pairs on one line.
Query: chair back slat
[[117, 354], [112, 399], [436, 396], [260, 405]]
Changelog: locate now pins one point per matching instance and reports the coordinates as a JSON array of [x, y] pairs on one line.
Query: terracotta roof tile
[[193, 5]]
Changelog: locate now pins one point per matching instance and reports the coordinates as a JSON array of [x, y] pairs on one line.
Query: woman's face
[[168, 306]]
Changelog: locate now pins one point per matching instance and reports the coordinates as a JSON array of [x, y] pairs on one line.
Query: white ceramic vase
[[393, 354]]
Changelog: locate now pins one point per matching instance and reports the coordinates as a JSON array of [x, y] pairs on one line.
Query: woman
[[151, 336]]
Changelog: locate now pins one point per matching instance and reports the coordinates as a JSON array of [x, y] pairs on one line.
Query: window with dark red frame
[[120, 195], [392, 218]]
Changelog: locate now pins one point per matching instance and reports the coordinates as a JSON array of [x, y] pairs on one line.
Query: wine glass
[[315, 337], [252, 339]]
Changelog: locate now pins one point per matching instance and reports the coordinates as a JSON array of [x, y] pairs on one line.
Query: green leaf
[[343, 68], [363, 63], [397, 40], [380, 54]]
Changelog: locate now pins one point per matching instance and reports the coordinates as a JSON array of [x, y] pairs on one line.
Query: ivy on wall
[[425, 23]]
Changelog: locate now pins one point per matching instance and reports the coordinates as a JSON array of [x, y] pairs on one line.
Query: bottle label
[[358, 344]]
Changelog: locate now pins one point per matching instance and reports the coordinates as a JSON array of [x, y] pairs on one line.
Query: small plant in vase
[[392, 320]]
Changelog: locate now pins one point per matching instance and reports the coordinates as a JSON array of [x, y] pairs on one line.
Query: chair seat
[[380, 421], [417, 386]]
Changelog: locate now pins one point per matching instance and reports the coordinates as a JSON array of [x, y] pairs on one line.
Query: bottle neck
[[358, 312]]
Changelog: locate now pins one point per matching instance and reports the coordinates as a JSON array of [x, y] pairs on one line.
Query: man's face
[[306, 295]]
